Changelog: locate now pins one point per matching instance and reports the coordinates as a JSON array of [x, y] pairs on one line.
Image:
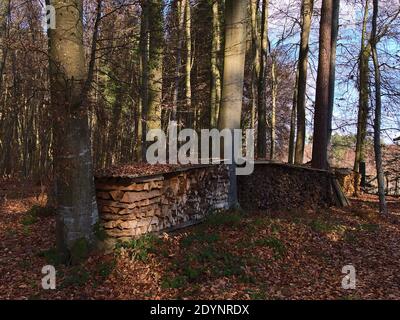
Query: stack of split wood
[[131, 206]]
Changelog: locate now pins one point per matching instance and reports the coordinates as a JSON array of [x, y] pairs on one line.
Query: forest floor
[[234, 255]]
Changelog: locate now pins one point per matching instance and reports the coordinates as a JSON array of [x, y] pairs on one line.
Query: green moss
[[26, 230], [33, 214], [104, 269], [29, 219], [79, 250], [77, 277], [229, 218], [41, 211], [192, 273], [200, 237], [258, 295], [51, 256], [140, 247], [350, 236], [321, 226], [274, 243], [275, 228], [369, 227], [246, 278], [99, 231], [173, 282]]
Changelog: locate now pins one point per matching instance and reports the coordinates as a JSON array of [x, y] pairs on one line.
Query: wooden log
[[130, 197], [115, 204], [122, 233], [340, 196], [116, 195]]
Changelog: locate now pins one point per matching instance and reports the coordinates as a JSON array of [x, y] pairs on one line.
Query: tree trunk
[[180, 16], [215, 71], [4, 12], [151, 42], [274, 93], [116, 116], [144, 47], [232, 88], [261, 107], [256, 48], [76, 201], [363, 107], [188, 66], [156, 42], [320, 137], [332, 75], [307, 11], [378, 114], [293, 115]]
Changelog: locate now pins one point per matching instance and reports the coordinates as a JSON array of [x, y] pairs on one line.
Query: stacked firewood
[[279, 186], [130, 207]]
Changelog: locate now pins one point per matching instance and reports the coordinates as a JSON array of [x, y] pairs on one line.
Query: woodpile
[[348, 179], [280, 186], [130, 207]]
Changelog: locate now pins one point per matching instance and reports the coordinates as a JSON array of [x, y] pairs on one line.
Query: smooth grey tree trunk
[[233, 77], [378, 115], [307, 12], [77, 213]]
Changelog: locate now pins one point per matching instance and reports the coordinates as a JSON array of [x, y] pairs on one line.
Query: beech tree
[[215, 65], [70, 79], [378, 112], [256, 52], [363, 107], [151, 44], [306, 13], [191, 115], [233, 76]]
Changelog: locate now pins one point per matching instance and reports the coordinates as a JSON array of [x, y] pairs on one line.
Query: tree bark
[[261, 104], [151, 42], [188, 66], [274, 93], [4, 12], [144, 47], [76, 201], [332, 75], [320, 137], [156, 41], [233, 77], [256, 48], [215, 70], [307, 11], [180, 17], [363, 107], [293, 117], [378, 114]]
